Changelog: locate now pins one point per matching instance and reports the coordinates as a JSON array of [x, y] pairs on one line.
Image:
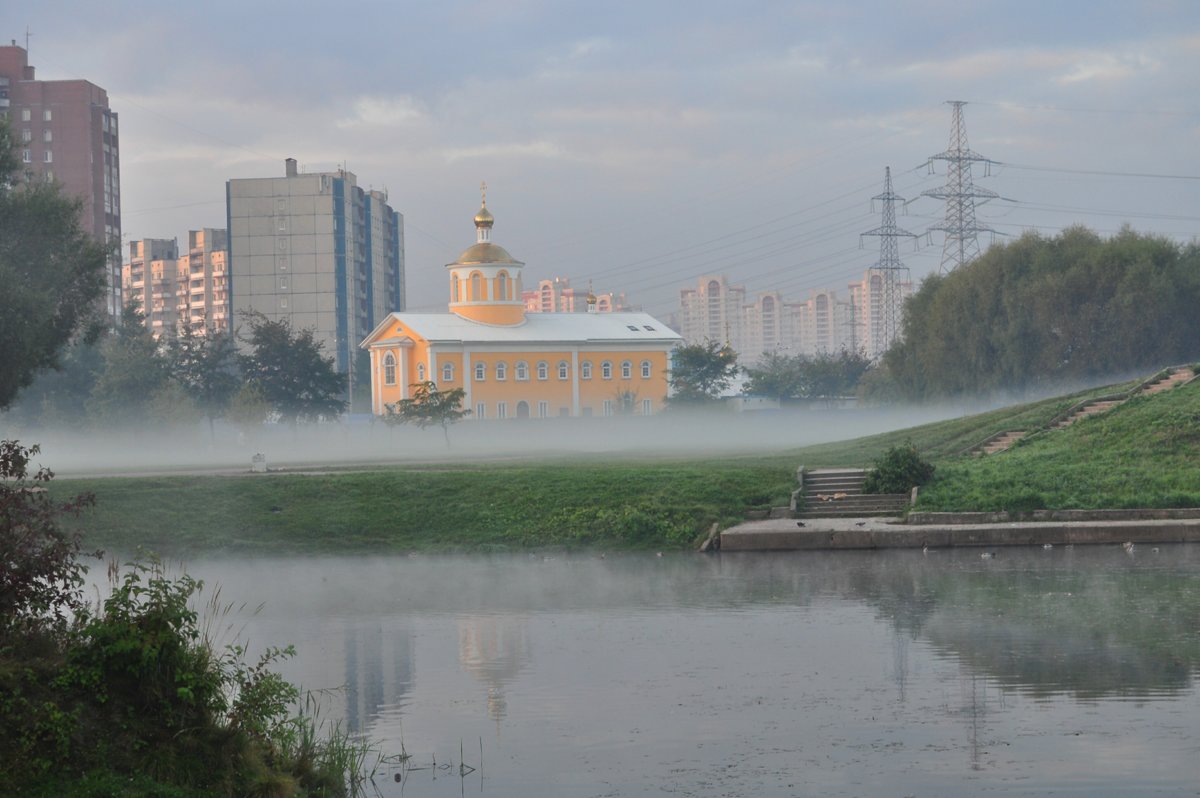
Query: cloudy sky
[[641, 144]]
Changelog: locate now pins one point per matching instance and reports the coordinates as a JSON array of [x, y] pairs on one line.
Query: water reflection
[[844, 673]]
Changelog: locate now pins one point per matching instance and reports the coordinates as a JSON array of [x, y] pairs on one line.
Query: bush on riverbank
[[131, 697]]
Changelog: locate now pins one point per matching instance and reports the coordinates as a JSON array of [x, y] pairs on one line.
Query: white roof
[[540, 327]]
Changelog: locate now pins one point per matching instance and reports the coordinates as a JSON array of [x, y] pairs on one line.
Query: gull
[[1128, 546], [1047, 545], [987, 555]]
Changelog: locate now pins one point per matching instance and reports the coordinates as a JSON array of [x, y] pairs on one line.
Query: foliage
[[1050, 311], [40, 574], [51, 270], [131, 698], [134, 371], [292, 372], [248, 408], [429, 407], [898, 470], [206, 367], [701, 372], [823, 376]]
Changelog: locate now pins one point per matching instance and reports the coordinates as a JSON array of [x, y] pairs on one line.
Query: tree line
[[1046, 311]]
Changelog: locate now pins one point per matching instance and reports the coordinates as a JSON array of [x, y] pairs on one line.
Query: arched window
[[543, 370], [585, 370], [564, 371], [476, 287], [606, 370], [480, 372], [626, 370], [645, 369], [501, 290], [447, 372], [522, 370], [420, 372], [502, 370], [454, 288], [389, 369]]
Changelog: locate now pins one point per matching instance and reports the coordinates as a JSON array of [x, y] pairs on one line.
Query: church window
[[502, 370], [647, 407], [522, 370], [476, 287], [606, 370], [626, 370], [501, 409], [585, 370], [480, 372], [645, 369], [480, 410], [608, 407], [543, 409], [564, 371], [543, 370], [502, 285], [447, 372], [454, 288], [389, 369]]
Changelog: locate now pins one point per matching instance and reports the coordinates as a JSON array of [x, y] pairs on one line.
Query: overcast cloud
[[641, 144]]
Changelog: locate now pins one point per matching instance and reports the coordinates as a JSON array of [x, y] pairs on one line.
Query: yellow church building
[[516, 365]]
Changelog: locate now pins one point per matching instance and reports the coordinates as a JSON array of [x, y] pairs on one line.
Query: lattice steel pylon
[[882, 294], [960, 226]]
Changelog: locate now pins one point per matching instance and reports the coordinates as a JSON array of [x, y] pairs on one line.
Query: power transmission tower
[[891, 273], [960, 226]]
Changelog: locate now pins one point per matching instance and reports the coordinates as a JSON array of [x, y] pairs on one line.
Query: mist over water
[[151, 449], [815, 674]]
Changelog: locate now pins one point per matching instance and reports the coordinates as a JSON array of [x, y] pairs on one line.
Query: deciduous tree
[[701, 372], [291, 371], [51, 273], [429, 407]]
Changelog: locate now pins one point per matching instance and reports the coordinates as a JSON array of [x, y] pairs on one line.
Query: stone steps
[[1002, 442], [1090, 409], [1176, 377], [838, 493]]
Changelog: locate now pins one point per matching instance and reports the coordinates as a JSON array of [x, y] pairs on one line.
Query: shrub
[[897, 470]]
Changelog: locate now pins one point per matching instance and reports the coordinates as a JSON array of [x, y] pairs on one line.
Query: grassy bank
[[618, 505], [1141, 454]]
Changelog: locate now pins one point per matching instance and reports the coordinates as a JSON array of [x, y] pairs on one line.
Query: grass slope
[[1143, 453]]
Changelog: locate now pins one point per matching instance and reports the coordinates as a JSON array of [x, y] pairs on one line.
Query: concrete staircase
[[1001, 442], [1173, 378], [837, 493], [1085, 410]]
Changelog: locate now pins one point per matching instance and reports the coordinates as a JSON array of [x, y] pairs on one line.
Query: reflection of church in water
[[494, 650], [378, 671]]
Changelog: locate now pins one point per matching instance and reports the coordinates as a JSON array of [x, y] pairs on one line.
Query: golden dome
[[484, 218], [486, 252]]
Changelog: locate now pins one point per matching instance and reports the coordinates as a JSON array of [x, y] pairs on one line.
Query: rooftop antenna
[[27, 35]]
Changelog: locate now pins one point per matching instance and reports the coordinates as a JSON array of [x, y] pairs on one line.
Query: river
[[896, 673]]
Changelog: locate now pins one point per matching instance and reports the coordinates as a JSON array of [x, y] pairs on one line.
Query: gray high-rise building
[[317, 250]]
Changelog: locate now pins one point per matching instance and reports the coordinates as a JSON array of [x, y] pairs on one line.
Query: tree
[[1043, 312], [429, 407], [134, 371], [777, 376], [828, 376], [701, 372], [41, 578], [206, 367], [51, 270], [289, 368]]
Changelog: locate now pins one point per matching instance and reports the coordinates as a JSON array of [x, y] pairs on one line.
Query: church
[[511, 364]]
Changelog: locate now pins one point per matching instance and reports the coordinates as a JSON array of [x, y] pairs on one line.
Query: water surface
[[1068, 671]]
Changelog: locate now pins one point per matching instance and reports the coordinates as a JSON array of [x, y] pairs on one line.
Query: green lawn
[[1145, 453]]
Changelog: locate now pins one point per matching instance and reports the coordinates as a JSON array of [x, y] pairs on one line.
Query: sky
[[638, 145]]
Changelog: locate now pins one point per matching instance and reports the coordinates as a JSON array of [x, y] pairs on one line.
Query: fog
[[154, 449]]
